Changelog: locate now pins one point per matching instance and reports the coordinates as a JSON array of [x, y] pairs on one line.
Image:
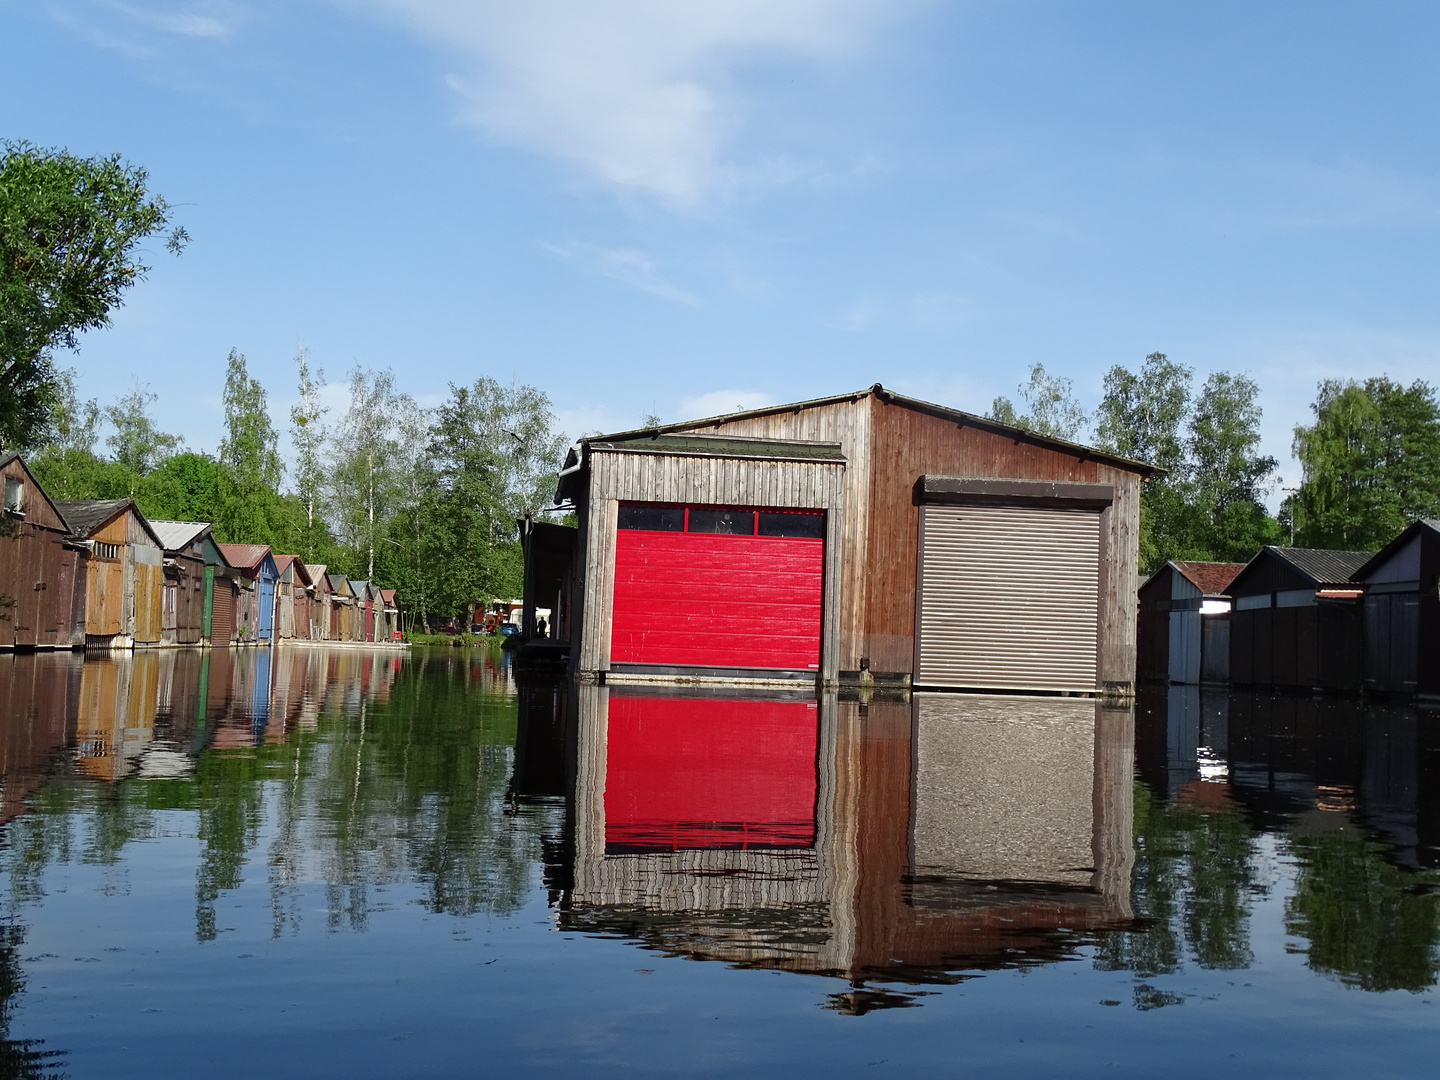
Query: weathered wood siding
[[621, 476], [906, 444]]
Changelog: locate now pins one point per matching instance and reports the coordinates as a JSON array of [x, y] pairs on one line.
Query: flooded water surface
[[337, 862]]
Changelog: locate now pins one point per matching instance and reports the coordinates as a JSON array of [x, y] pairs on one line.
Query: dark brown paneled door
[[1008, 598]]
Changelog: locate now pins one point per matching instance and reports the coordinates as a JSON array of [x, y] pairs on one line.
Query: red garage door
[[701, 773], [718, 587]]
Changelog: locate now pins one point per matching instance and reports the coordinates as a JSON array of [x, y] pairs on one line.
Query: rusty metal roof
[[244, 556], [1211, 578]]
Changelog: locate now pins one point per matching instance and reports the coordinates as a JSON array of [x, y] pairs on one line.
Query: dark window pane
[[731, 522], [803, 526], [653, 518]]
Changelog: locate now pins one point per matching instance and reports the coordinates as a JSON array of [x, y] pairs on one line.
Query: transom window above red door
[[723, 521]]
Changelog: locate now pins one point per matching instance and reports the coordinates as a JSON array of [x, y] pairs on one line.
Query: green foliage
[[307, 432], [249, 508], [1051, 405], [1368, 923], [137, 443], [1209, 503], [1371, 463], [364, 483], [185, 488], [69, 232], [1193, 883]]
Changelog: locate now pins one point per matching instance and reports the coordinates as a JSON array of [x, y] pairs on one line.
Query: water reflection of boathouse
[[885, 839]]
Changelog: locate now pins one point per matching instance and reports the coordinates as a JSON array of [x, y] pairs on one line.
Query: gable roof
[[388, 595], [892, 398], [1211, 578], [1323, 566], [1377, 560], [338, 584], [244, 556], [85, 516], [7, 458], [175, 535], [282, 562], [1278, 568]]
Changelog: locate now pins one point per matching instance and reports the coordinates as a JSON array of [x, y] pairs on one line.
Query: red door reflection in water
[[706, 773]]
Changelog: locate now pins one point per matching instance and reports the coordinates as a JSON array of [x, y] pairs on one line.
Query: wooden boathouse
[[850, 538], [1297, 620], [124, 577], [1180, 639], [42, 572], [191, 561], [1402, 613]]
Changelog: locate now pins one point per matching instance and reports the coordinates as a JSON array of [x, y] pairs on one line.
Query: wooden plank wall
[[617, 476], [847, 423], [906, 444]]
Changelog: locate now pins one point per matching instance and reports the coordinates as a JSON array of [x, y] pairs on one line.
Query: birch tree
[[365, 451], [307, 433]]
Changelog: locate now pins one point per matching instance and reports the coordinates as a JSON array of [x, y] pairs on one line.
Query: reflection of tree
[[1192, 887], [22, 1059], [228, 798], [1369, 923]]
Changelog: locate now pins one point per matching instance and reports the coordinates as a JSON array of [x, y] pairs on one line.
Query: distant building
[[1296, 621], [191, 560], [257, 575], [1402, 613], [1179, 638]]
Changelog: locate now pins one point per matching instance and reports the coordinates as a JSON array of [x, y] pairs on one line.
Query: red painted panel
[[702, 773], [717, 601]]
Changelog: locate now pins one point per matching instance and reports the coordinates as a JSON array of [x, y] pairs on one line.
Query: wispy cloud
[[635, 92], [625, 265], [136, 27]]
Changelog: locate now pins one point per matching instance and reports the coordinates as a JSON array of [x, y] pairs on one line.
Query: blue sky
[[683, 206]]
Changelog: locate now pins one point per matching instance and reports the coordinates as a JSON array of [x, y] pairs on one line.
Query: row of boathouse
[[97, 573], [1299, 618]]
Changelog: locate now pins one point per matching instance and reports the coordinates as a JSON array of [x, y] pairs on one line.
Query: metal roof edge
[[919, 405], [1402, 538]]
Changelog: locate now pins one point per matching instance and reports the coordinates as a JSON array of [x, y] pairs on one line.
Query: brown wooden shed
[[42, 574], [868, 535], [182, 617], [1402, 613], [124, 577]]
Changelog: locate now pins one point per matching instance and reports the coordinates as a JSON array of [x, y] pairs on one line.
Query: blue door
[[265, 599]]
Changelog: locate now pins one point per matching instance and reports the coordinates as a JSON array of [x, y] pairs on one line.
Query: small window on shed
[[728, 522], [799, 525], [14, 496], [652, 518], [105, 551]]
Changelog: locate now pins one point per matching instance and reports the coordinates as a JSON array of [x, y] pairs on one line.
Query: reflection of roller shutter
[[1008, 597]]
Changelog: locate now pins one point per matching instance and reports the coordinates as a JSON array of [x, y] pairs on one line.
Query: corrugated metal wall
[[1008, 598]]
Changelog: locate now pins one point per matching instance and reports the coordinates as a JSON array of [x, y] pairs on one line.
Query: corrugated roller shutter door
[[1008, 597]]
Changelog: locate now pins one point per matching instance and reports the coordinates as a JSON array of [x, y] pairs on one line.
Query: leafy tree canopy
[[70, 235]]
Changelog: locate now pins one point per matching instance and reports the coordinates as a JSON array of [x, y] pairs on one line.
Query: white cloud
[[719, 402], [635, 92], [625, 265], [136, 27]]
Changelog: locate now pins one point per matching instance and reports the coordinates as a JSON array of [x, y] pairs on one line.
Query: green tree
[[363, 477], [185, 488], [1051, 407], [1371, 463], [66, 463], [137, 443], [1227, 473], [249, 509], [1142, 416], [307, 432], [70, 232]]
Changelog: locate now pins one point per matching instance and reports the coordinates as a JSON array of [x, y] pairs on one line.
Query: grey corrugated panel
[[1009, 598]]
